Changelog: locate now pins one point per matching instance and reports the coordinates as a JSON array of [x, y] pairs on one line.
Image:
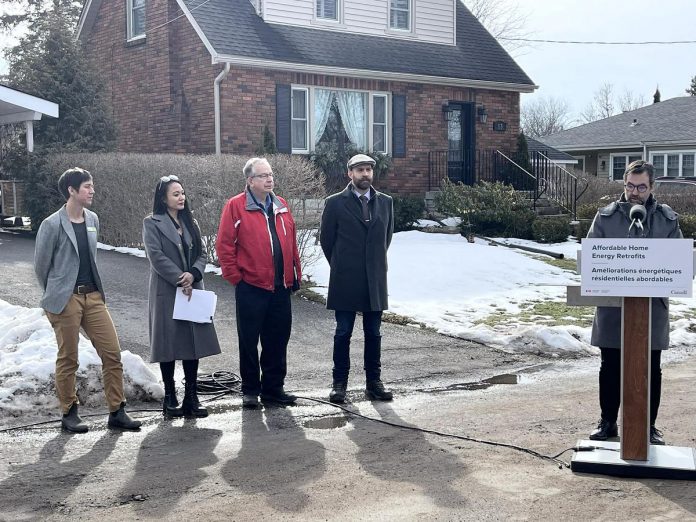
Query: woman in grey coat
[[177, 259]]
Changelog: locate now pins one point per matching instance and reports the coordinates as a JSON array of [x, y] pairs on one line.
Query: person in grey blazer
[[613, 221], [177, 259], [73, 297], [356, 230]]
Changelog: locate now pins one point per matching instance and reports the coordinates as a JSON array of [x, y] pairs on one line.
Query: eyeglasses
[[263, 176], [631, 187]]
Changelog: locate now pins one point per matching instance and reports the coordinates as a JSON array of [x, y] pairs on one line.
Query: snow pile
[[27, 366], [452, 285]]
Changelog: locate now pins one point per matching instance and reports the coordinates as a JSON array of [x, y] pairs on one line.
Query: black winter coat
[[357, 251]]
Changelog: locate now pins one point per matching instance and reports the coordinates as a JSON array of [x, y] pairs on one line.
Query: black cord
[[221, 383], [443, 434]]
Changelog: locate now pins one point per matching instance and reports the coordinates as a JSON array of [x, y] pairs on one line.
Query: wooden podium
[[633, 456]]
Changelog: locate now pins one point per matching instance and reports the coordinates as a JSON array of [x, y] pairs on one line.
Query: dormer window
[[400, 14], [135, 19], [327, 10]]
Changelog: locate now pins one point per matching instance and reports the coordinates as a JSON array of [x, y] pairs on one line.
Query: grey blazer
[[56, 258]]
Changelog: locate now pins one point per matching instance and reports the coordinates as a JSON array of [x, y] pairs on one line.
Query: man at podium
[[635, 214]]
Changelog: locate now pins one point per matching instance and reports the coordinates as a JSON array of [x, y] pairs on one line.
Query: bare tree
[[602, 105], [544, 116], [503, 19], [629, 101]]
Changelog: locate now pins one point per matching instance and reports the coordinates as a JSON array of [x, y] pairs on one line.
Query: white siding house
[[430, 21]]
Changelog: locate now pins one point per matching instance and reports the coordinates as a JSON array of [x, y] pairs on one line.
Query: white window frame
[[618, 154], [339, 12], [584, 162], [310, 116], [411, 10], [306, 119], [371, 119], [129, 21], [666, 153]]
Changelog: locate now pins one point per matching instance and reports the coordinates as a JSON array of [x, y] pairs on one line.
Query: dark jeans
[[264, 315], [373, 344], [610, 384]]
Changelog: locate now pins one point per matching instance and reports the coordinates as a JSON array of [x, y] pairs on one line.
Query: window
[[580, 165], [673, 164], [619, 162], [379, 123], [327, 9], [400, 14], [299, 121], [339, 119], [135, 21]]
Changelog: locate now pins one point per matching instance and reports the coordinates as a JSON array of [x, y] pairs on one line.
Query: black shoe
[[278, 396], [250, 402], [191, 406], [121, 420], [656, 437], [170, 406], [71, 421], [338, 392], [376, 391], [605, 429]]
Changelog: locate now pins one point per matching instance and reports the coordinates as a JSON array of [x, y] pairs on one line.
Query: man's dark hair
[[640, 167], [73, 177]]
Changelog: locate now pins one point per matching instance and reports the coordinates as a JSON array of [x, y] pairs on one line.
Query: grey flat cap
[[360, 159]]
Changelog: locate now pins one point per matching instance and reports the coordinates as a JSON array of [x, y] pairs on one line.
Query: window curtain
[[322, 109], [351, 105]]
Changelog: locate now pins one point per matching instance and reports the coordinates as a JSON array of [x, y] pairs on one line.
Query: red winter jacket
[[244, 245]]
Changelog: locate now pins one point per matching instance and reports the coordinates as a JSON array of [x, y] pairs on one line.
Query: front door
[[461, 139]]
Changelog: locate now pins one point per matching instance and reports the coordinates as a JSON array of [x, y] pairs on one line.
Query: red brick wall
[[161, 92]]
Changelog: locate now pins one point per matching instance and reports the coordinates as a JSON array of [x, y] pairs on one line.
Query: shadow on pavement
[[276, 460], [396, 455], [44, 485], [169, 465]]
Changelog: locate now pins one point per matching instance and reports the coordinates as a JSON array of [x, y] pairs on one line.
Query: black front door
[[461, 139]]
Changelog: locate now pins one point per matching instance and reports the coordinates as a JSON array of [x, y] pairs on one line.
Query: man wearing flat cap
[[356, 229]]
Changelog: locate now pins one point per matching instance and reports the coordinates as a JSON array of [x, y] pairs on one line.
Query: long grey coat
[[357, 251], [172, 340], [57, 261], [613, 221]]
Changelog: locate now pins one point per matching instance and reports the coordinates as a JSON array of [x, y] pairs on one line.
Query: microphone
[[637, 215]]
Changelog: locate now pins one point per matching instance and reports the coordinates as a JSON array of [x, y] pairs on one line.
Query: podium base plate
[[664, 462]]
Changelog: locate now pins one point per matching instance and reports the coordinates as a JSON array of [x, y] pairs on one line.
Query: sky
[[575, 72]]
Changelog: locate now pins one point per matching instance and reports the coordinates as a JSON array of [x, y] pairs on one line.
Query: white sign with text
[[637, 267]]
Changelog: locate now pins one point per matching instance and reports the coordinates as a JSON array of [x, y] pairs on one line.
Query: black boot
[[605, 429], [376, 391], [191, 406], [71, 421], [656, 436], [121, 420], [338, 392], [170, 406]]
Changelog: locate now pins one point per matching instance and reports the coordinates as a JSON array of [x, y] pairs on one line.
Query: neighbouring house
[[663, 133], [554, 156], [420, 80]]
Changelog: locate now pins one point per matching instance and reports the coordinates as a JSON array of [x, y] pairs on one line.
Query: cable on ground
[[221, 383]]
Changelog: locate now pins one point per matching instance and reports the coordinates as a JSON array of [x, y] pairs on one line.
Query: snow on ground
[[452, 285], [27, 366]]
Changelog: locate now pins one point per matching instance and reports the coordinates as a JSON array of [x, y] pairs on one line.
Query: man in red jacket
[[257, 250]]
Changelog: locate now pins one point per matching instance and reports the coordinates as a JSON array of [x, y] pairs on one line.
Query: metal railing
[[559, 184]]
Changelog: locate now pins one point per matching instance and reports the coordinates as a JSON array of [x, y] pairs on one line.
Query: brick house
[[409, 78]]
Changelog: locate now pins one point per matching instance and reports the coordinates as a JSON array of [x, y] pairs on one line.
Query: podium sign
[[637, 267]]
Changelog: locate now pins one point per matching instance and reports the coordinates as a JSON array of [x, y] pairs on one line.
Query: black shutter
[[399, 126], [283, 107]]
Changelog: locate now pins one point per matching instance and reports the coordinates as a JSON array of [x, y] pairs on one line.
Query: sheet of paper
[[200, 309]]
